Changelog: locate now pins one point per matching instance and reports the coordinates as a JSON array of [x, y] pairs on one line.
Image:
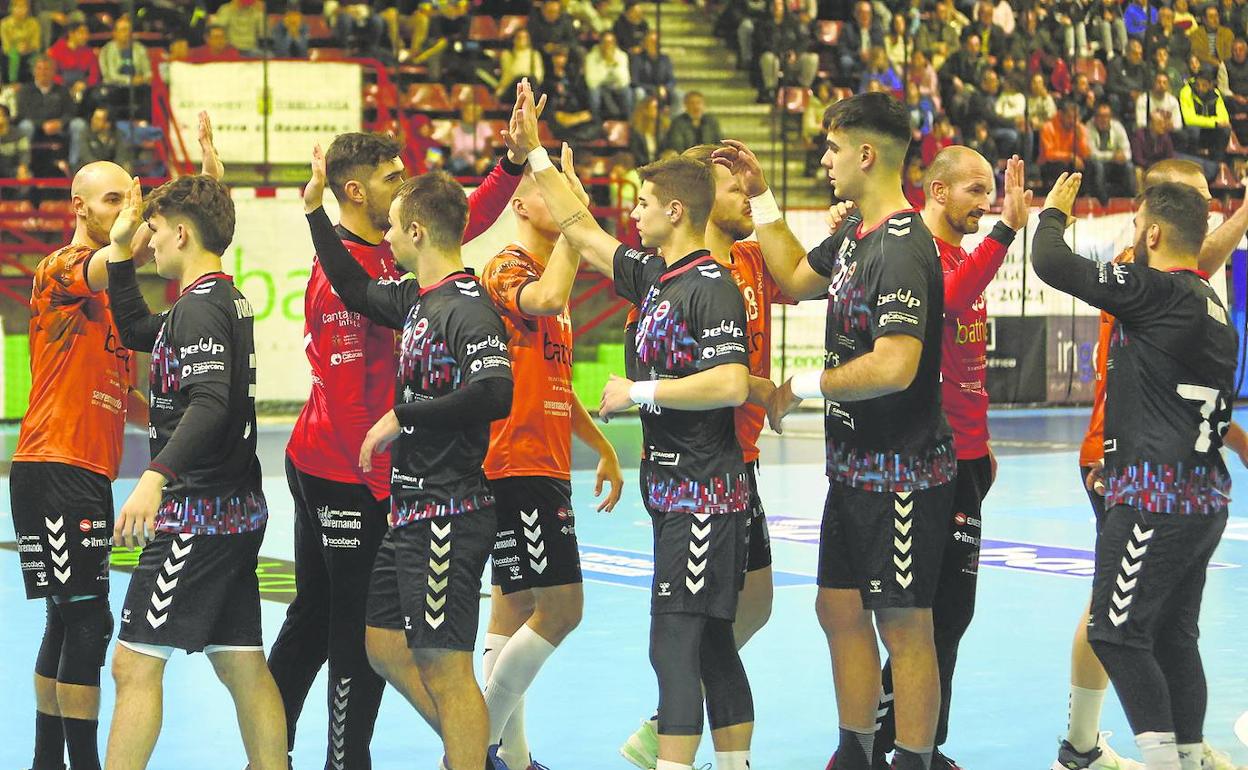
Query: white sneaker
[[1110, 759], [1218, 760], [1100, 757]]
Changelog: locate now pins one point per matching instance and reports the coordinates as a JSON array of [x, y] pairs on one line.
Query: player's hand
[[569, 173], [837, 213], [743, 164], [314, 192], [212, 165], [136, 521], [760, 391], [781, 403], [378, 439], [128, 221], [141, 250], [1095, 482], [615, 397], [1017, 203], [1062, 196], [609, 472], [521, 135]]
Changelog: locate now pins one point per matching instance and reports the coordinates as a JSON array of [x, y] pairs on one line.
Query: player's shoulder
[[512, 257], [464, 297], [65, 264], [747, 251]]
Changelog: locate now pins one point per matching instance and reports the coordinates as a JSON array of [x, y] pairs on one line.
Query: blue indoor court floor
[[1010, 694]]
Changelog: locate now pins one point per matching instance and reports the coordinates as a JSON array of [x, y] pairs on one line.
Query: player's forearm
[[549, 294], [965, 283], [575, 221], [868, 376], [1051, 258], [483, 401], [722, 386], [349, 280], [585, 429], [130, 312], [1236, 439], [783, 253], [1221, 243], [202, 424]]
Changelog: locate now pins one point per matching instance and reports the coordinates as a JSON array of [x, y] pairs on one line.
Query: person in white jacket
[[1109, 167], [1159, 99], [607, 76]]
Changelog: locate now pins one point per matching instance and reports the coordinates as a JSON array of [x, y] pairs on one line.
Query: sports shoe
[[493, 761], [642, 747], [879, 763], [941, 762], [536, 765], [1101, 757], [1217, 760]]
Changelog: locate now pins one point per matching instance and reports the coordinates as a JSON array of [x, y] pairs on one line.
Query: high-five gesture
[[314, 192], [128, 221], [521, 135], [212, 165], [569, 173], [743, 164], [1017, 202], [1065, 190]]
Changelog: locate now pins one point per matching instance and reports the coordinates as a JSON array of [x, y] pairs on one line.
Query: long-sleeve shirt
[[23, 34], [1059, 144], [74, 64], [1149, 102], [1136, 21], [36, 105], [1105, 145], [1208, 111], [14, 152], [613, 73], [244, 25], [1147, 148], [117, 65]]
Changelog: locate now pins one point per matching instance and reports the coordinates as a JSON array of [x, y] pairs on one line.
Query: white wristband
[[763, 209], [539, 160], [642, 392], [808, 385]]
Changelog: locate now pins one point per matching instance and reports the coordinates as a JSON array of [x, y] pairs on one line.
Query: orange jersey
[[1093, 448], [536, 438], [79, 372]]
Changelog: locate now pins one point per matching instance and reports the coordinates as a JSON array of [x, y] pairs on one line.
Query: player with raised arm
[[1167, 407], [340, 511], [68, 453], [890, 455], [537, 597], [198, 509], [691, 338], [453, 380]]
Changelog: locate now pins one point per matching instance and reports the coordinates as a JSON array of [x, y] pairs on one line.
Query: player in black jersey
[[454, 378], [691, 339], [889, 449], [198, 508], [1168, 405]]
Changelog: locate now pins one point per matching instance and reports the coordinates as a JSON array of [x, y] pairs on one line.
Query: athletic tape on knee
[[88, 630]]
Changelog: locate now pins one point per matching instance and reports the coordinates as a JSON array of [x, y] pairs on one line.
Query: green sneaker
[[642, 747]]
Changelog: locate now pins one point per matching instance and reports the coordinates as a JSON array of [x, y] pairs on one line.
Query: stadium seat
[[1093, 68], [327, 54], [793, 99], [1087, 207], [1234, 147], [469, 92], [427, 97], [15, 207], [484, 29], [508, 26], [57, 208], [318, 28], [1225, 180], [828, 32]]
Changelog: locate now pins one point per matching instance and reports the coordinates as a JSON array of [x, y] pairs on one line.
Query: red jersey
[[79, 372], [1093, 448], [964, 349], [354, 362], [536, 438], [79, 60]]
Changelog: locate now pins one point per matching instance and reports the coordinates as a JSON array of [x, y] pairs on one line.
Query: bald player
[[68, 454], [1085, 746]]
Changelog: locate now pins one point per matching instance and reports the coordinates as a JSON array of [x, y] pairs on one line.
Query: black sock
[[851, 754], [905, 759], [84, 750], [49, 743]]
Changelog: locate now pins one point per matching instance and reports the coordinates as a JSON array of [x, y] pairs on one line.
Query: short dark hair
[[437, 202], [684, 179], [1180, 207], [202, 201], [877, 114], [354, 156]]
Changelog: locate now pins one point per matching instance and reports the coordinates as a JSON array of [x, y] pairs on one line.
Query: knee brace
[[88, 629], [728, 697], [49, 658], [674, 643]]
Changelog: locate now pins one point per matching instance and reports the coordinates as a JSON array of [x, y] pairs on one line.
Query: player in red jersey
[[68, 454], [340, 509]]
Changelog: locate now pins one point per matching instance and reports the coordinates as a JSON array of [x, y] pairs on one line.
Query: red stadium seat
[[828, 32], [1093, 68], [617, 133], [318, 28], [16, 207], [1234, 147], [427, 97], [1225, 180], [1087, 207], [469, 92], [56, 208], [793, 99], [484, 29], [508, 26]]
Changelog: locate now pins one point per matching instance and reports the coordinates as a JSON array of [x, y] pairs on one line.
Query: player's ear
[[416, 231], [675, 212], [354, 190]]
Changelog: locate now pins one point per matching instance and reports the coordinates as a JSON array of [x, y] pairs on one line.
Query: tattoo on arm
[[577, 217]]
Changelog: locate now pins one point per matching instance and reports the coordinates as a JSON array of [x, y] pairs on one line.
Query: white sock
[[732, 760], [514, 670], [667, 765], [1191, 755], [1159, 751], [1085, 718], [514, 748]]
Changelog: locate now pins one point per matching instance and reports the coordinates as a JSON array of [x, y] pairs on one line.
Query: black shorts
[[427, 580], [63, 519], [195, 591], [887, 545], [966, 526], [1150, 572], [1096, 500], [759, 555], [536, 543], [699, 563]]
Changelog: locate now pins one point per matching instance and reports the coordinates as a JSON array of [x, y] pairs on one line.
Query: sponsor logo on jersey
[[492, 341], [725, 327], [904, 296], [209, 346]]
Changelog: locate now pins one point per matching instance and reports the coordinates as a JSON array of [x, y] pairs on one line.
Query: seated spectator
[[1104, 19], [923, 74], [1166, 34], [857, 39], [591, 15], [646, 134], [980, 140], [980, 106], [216, 47], [99, 141], [1206, 123], [608, 79], [441, 42], [179, 50], [785, 44], [1128, 78], [126, 71], [1109, 162], [940, 137], [14, 151], [1236, 94], [1012, 105], [423, 150], [288, 39], [693, 126], [568, 101], [1138, 16], [472, 149], [1175, 70], [631, 27], [813, 134], [46, 112], [922, 113], [1040, 105], [992, 39], [962, 70], [1211, 42], [1152, 144], [243, 24], [551, 27], [1184, 19], [20, 40], [520, 61], [881, 70], [652, 73], [362, 32], [625, 182], [1063, 144], [55, 17], [897, 43], [912, 183], [1159, 100], [76, 65], [937, 36], [1087, 96]]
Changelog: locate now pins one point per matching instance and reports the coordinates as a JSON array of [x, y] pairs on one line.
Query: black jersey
[[692, 319], [885, 281], [1170, 377], [203, 402]]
